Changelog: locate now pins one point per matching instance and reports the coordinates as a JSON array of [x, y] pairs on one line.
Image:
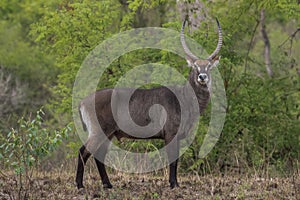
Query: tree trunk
[[267, 43]]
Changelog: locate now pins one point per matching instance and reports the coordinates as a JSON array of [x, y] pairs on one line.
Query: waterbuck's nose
[[202, 77]]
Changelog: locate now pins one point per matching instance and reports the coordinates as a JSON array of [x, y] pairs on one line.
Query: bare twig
[[2, 174], [291, 39], [292, 36]]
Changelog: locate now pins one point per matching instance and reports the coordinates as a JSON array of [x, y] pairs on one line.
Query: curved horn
[[219, 43], [185, 48]]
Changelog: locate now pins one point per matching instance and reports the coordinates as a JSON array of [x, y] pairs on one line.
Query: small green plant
[[155, 195], [24, 147]]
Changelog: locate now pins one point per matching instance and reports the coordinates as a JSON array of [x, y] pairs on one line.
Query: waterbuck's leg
[[100, 154], [173, 174], [83, 156], [173, 154]]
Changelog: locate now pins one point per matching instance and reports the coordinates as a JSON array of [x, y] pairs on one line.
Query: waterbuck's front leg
[[173, 174], [172, 149]]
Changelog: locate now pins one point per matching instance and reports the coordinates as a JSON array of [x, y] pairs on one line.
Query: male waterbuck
[[99, 110]]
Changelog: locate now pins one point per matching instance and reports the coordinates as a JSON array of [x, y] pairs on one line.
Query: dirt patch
[[127, 186]]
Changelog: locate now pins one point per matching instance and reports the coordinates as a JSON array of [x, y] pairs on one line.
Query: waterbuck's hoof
[[107, 185], [174, 185], [81, 191]]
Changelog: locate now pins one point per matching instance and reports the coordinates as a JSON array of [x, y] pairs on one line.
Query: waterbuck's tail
[[83, 124]]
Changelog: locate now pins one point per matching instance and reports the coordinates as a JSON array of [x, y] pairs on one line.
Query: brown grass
[[59, 184]]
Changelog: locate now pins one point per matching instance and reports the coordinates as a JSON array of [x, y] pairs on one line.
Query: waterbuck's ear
[[190, 61], [215, 61]]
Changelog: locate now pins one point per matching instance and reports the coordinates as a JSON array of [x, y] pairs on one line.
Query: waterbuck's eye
[[208, 66]]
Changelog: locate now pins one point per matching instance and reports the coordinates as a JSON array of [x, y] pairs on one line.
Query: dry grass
[[59, 184]]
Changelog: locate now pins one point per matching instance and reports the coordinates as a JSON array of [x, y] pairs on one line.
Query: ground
[[60, 185]]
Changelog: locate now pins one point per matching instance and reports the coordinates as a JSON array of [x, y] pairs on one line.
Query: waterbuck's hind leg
[[83, 156], [100, 154], [103, 174]]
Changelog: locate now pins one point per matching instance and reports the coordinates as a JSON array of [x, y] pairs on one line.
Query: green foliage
[[28, 72], [262, 124], [18, 53], [24, 148], [265, 124], [72, 38], [138, 13]]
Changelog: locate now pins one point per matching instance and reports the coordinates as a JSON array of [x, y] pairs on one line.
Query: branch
[[290, 38]]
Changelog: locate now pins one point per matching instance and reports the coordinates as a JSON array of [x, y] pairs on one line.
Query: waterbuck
[[99, 110]]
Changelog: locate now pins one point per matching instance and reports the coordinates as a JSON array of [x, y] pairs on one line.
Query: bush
[[24, 148]]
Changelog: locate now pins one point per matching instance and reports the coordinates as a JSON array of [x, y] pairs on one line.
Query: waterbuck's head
[[201, 68]]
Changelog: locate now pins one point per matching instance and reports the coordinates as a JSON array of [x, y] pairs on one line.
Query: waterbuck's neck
[[202, 92]]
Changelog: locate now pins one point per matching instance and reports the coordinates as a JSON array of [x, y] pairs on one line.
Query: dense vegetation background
[[43, 44]]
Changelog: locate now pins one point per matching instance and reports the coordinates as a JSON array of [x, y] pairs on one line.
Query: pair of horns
[[190, 54]]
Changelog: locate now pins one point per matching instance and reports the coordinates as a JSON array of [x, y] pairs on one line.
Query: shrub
[[24, 147]]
